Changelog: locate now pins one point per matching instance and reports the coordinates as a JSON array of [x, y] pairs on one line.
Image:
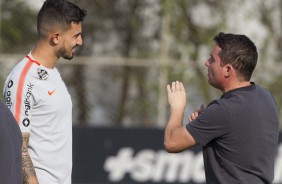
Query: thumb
[[202, 107]]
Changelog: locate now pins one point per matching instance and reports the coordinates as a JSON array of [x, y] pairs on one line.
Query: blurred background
[[134, 48]]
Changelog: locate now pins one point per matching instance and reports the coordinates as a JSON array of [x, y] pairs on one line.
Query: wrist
[[177, 111]]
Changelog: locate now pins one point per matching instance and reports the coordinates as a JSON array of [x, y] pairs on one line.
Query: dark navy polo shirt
[[10, 148], [239, 133]]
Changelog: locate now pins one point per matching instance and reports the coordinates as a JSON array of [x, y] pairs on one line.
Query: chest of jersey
[[52, 101]]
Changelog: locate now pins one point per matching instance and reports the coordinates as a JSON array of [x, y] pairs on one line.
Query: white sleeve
[[19, 98]]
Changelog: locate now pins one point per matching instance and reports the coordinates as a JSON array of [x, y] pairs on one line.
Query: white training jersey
[[41, 104]]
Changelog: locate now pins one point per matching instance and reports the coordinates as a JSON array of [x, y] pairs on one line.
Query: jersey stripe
[[20, 91], [36, 62]]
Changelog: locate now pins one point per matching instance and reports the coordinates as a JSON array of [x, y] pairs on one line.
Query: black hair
[[60, 13], [239, 51]]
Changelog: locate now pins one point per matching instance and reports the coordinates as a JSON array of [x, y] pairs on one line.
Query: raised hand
[[176, 96]]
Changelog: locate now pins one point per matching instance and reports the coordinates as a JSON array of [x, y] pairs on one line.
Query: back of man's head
[[58, 15]]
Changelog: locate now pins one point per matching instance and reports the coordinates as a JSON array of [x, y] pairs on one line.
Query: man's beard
[[64, 54]]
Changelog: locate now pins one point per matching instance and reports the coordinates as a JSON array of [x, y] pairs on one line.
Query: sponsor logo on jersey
[[10, 83], [51, 92], [27, 99], [26, 122], [42, 74], [8, 100]]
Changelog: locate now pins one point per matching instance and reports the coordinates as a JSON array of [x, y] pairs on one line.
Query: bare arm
[[177, 138], [29, 175]]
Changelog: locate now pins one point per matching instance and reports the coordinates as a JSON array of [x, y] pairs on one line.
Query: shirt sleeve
[[19, 99], [212, 123]]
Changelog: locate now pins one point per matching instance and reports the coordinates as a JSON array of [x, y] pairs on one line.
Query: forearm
[[174, 122], [28, 171], [177, 138]]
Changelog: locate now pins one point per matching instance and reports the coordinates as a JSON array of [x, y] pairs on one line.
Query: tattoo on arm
[[29, 175]]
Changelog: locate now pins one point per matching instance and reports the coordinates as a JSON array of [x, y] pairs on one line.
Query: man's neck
[[236, 85], [46, 57]]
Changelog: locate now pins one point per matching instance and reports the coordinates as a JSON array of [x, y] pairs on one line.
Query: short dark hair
[[239, 51], [58, 13]]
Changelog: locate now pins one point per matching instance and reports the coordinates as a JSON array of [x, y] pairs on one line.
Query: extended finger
[[181, 87], [168, 89], [202, 107], [177, 87], [190, 118], [173, 86], [194, 115]]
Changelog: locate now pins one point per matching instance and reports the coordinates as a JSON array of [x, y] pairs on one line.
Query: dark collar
[[246, 88]]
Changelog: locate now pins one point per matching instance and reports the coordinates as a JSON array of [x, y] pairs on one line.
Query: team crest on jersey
[[42, 74]]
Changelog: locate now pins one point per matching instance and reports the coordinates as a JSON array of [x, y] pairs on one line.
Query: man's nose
[[207, 64], [79, 41]]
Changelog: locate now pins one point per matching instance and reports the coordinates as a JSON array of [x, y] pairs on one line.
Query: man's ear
[[227, 70], [55, 38]]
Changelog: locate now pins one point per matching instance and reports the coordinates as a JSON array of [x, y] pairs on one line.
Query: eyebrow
[[76, 35]]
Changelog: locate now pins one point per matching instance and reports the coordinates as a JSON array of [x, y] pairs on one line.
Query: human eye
[[211, 59], [77, 35]]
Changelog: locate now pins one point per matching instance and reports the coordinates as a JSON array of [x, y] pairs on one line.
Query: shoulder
[[219, 104], [217, 108], [263, 90], [25, 69], [30, 69]]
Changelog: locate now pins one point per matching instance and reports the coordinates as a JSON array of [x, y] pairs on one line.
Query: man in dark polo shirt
[[238, 132], [10, 148]]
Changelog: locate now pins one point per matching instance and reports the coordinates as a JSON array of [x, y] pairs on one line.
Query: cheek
[[220, 73], [70, 41], [216, 73], [71, 45]]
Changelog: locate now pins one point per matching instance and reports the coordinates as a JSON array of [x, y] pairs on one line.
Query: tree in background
[[270, 15], [122, 29], [132, 31], [127, 26], [123, 24], [17, 26], [17, 30], [193, 26]]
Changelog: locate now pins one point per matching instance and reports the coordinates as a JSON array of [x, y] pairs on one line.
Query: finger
[[177, 87], [190, 118], [173, 87], [202, 107], [181, 87], [168, 89], [195, 115]]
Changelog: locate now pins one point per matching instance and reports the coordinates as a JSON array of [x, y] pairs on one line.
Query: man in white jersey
[[39, 99]]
